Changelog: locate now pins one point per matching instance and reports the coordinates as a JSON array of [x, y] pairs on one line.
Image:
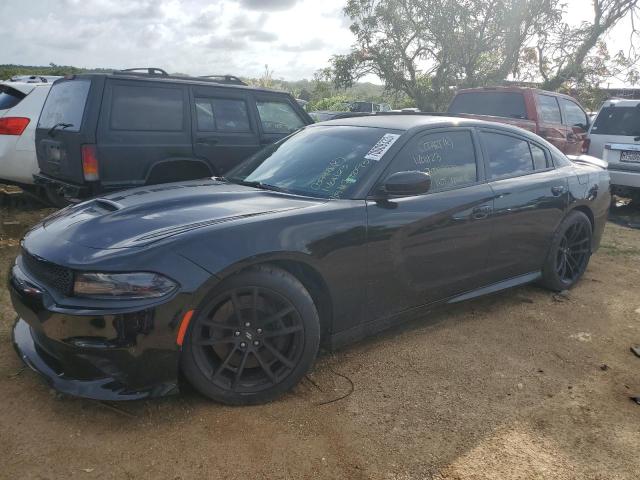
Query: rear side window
[[549, 109], [499, 104], [575, 116], [448, 157], [508, 156], [146, 108], [9, 97], [617, 121], [540, 161], [278, 117], [65, 104], [222, 115]]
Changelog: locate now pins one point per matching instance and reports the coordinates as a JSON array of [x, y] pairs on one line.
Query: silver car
[[615, 137]]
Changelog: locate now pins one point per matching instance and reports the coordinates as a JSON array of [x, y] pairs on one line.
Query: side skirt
[[345, 337]]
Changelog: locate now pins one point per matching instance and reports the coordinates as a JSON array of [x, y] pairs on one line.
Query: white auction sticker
[[380, 148]]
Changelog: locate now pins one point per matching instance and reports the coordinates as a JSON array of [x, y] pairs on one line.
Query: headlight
[[135, 285]]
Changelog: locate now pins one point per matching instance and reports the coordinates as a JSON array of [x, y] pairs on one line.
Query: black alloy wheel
[[570, 252], [573, 252], [253, 339]]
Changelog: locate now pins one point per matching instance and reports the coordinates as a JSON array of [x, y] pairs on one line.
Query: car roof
[[416, 121], [409, 120], [622, 102], [514, 89], [121, 75]]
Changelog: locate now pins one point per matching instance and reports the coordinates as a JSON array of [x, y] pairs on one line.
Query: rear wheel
[[569, 254], [253, 339]]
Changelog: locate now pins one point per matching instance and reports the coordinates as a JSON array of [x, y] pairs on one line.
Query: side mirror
[[407, 183]]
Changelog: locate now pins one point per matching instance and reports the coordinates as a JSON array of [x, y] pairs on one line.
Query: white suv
[[21, 102], [615, 137]]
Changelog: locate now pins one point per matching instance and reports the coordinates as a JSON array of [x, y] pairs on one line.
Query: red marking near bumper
[[183, 327]]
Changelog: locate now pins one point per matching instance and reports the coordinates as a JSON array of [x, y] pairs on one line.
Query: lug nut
[[236, 333], [259, 330], [242, 345], [256, 343], [247, 324]]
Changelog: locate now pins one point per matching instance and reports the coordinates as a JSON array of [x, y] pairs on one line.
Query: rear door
[[142, 123], [278, 116], [67, 121], [550, 125], [530, 198], [577, 123], [225, 128]]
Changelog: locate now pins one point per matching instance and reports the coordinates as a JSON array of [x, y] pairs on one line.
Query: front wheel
[[569, 253], [253, 339]]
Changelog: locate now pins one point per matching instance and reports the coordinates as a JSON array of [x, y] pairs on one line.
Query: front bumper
[[103, 355]]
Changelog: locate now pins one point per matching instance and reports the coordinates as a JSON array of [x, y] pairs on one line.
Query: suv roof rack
[[143, 71], [159, 72], [224, 79]]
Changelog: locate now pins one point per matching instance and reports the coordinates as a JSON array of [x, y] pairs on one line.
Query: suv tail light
[[586, 143], [90, 163], [13, 125]]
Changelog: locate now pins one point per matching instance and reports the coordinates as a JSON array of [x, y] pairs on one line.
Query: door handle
[[483, 211], [557, 190]]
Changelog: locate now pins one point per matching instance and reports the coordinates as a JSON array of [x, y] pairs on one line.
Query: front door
[[225, 131], [577, 123], [277, 117], [550, 126], [530, 198], [425, 248]]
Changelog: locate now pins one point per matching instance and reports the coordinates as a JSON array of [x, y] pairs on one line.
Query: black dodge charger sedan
[[333, 233]]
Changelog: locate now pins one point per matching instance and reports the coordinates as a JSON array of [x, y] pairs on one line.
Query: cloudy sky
[[295, 37]]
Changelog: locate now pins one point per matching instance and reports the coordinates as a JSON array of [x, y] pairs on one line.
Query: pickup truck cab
[[557, 118]]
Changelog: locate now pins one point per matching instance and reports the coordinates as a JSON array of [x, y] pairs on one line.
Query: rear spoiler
[[588, 160]]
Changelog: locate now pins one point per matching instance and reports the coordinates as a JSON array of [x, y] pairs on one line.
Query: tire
[[569, 253], [55, 198], [258, 355]]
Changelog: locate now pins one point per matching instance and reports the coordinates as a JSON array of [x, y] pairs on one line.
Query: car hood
[[141, 216]]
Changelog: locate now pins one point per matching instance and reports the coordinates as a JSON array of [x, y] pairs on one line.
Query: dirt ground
[[520, 385]]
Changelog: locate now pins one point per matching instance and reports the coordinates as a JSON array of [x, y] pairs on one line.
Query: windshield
[[321, 161], [617, 121]]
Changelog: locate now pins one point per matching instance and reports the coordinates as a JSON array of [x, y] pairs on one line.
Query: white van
[[615, 137]]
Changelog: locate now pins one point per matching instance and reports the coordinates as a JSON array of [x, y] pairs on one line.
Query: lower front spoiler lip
[[105, 388]]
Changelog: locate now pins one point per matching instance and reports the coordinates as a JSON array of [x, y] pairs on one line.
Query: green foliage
[[10, 70], [336, 103]]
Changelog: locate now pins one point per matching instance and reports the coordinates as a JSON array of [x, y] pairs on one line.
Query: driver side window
[[278, 117], [448, 157]]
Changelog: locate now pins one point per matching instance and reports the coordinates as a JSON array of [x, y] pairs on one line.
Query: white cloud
[[188, 36]]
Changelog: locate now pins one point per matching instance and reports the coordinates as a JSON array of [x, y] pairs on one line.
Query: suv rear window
[[617, 121], [65, 104], [499, 104], [9, 97], [146, 108]]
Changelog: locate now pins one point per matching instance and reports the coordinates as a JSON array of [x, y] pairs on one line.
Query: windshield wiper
[[256, 184], [61, 124]]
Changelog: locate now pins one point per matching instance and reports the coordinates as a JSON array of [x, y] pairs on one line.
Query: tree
[[566, 53], [425, 48]]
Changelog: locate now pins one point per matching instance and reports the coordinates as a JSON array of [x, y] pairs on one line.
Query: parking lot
[[524, 384]]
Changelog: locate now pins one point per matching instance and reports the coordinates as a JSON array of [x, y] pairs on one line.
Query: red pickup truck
[[557, 118]]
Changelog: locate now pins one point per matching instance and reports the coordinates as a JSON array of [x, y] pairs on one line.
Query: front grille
[[50, 274]]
